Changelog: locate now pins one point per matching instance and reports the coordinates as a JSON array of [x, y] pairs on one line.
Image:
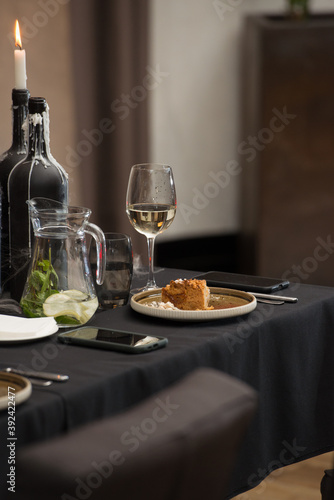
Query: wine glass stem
[[150, 281]]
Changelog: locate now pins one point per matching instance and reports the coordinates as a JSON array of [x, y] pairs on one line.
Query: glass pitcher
[[59, 281]]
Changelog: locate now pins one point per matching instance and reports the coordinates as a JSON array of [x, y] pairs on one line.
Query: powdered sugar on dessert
[[162, 305]]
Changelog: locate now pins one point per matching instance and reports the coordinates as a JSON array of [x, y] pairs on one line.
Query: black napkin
[[10, 307]]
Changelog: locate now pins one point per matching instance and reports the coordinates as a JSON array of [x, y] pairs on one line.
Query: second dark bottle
[[38, 175]]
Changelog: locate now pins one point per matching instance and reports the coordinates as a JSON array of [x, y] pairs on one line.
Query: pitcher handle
[[100, 241]]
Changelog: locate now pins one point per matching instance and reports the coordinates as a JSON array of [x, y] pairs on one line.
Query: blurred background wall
[[46, 39], [191, 108]]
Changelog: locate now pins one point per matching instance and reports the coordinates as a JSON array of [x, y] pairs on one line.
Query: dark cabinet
[[287, 149]]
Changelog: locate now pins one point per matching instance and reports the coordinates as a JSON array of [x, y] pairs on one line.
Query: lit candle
[[20, 61]]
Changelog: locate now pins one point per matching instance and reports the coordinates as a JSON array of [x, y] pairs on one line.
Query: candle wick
[[19, 46]]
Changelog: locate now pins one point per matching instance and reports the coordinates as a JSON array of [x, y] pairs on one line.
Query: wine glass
[[151, 205]]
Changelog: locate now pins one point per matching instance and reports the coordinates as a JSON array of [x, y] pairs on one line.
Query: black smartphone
[[243, 282], [114, 340]]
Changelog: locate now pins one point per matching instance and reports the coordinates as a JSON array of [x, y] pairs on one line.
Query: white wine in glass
[[151, 205]]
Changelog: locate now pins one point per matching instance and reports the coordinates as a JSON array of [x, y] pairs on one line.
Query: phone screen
[[106, 338]]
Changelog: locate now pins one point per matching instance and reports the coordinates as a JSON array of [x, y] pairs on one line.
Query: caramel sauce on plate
[[218, 301]]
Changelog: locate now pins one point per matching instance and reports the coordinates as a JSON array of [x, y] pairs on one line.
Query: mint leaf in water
[[42, 282]]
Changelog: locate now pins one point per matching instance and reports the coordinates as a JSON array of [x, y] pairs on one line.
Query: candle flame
[[18, 42]]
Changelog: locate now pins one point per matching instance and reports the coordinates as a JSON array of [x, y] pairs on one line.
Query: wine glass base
[[146, 288]]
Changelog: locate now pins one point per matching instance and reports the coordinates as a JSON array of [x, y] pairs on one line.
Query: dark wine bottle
[[37, 175], [16, 153]]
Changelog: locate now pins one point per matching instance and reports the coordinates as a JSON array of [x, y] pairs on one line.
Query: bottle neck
[[20, 141], [37, 136]]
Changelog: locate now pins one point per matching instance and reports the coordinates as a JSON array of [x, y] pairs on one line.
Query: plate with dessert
[[193, 300]]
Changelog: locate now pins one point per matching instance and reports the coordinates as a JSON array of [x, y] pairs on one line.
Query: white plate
[[18, 329], [13, 389], [140, 301]]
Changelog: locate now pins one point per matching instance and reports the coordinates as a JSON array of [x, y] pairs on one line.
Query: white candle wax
[[20, 69]]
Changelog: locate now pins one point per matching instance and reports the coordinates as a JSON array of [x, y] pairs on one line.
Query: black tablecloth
[[285, 352]]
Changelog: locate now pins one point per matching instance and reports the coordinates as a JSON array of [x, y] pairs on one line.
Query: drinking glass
[[151, 205], [115, 289]]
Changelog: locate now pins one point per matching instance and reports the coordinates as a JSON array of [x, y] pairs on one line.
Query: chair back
[[179, 444]]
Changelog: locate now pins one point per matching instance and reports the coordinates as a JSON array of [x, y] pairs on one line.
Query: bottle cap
[[37, 105], [20, 96]]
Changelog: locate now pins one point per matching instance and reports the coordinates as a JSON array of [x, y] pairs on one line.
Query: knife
[[42, 375]]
